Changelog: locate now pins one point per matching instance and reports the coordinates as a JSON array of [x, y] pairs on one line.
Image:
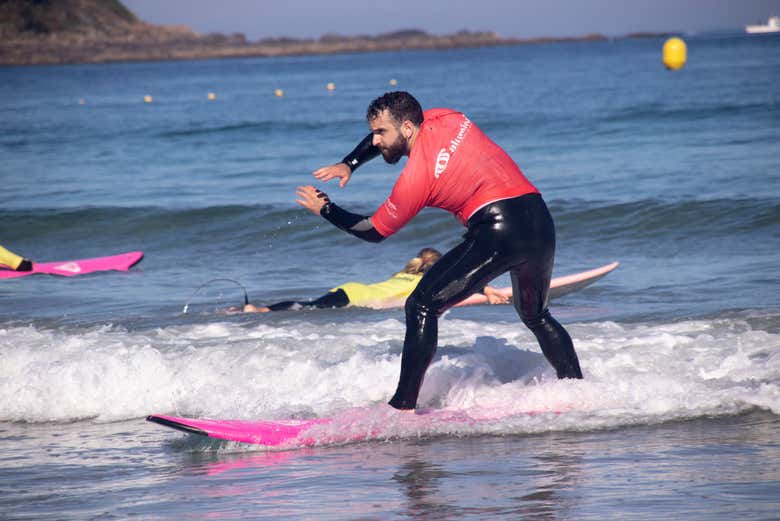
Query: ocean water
[[674, 174]]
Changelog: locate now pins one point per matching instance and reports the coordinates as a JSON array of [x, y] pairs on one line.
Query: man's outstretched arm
[[317, 202], [365, 151]]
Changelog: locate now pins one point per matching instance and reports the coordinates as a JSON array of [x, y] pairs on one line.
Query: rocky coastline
[[36, 32], [153, 44]]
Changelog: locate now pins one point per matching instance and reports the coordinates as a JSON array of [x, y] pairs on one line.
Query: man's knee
[[418, 305], [535, 321]]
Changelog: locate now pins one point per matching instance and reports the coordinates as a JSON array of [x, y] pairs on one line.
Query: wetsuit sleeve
[[365, 151], [10, 259], [358, 225]]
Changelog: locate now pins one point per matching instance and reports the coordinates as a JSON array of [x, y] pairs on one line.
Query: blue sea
[[676, 175]]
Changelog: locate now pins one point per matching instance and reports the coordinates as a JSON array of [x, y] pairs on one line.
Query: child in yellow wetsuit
[[388, 293], [14, 261]]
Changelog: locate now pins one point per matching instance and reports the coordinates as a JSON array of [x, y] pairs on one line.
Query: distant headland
[[38, 32]]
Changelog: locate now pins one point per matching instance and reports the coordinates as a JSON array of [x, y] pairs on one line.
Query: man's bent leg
[[530, 300], [556, 345], [461, 271], [422, 332]]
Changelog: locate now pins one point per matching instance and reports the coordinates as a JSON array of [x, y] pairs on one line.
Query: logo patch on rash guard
[[443, 159], [441, 162]]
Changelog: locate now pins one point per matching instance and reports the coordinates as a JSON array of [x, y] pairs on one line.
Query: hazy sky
[[510, 18]]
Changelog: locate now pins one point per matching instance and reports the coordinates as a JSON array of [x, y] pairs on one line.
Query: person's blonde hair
[[426, 258]]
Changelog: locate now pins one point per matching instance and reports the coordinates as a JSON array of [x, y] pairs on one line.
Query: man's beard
[[395, 151]]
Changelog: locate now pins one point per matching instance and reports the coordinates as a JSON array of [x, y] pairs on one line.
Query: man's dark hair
[[401, 106]]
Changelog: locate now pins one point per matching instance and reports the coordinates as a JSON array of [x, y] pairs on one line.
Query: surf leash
[[194, 293]]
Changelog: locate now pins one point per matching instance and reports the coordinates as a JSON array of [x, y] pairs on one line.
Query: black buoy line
[[187, 305]]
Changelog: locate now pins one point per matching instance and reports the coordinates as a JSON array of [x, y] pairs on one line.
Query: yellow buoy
[[393, 82], [212, 96], [331, 86], [674, 53], [147, 99], [279, 93]]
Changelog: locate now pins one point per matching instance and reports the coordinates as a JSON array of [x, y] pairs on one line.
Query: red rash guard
[[453, 166]]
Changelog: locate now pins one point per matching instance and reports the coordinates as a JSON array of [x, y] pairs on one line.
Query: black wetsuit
[[332, 299], [515, 235]]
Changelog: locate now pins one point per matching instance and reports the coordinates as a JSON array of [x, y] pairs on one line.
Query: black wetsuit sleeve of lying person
[[358, 225], [332, 299], [364, 152]]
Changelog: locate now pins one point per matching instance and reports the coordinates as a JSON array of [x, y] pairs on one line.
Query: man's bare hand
[[340, 170], [311, 198]]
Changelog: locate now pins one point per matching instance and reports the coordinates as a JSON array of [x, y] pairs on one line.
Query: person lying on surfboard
[[454, 166], [14, 261], [387, 293]]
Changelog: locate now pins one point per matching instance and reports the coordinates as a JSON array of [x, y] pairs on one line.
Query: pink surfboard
[[268, 433], [350, 426], [559, 286], [121, 262]]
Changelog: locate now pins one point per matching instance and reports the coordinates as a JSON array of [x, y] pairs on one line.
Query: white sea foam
[[634, 373]]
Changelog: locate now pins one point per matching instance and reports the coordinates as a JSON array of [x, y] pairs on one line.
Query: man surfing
[[454, 166]]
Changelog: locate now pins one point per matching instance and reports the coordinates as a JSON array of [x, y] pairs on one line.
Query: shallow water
[[672, 174], [696, 469]]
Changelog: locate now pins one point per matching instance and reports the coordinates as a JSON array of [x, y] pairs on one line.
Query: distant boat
[[772, 26]]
